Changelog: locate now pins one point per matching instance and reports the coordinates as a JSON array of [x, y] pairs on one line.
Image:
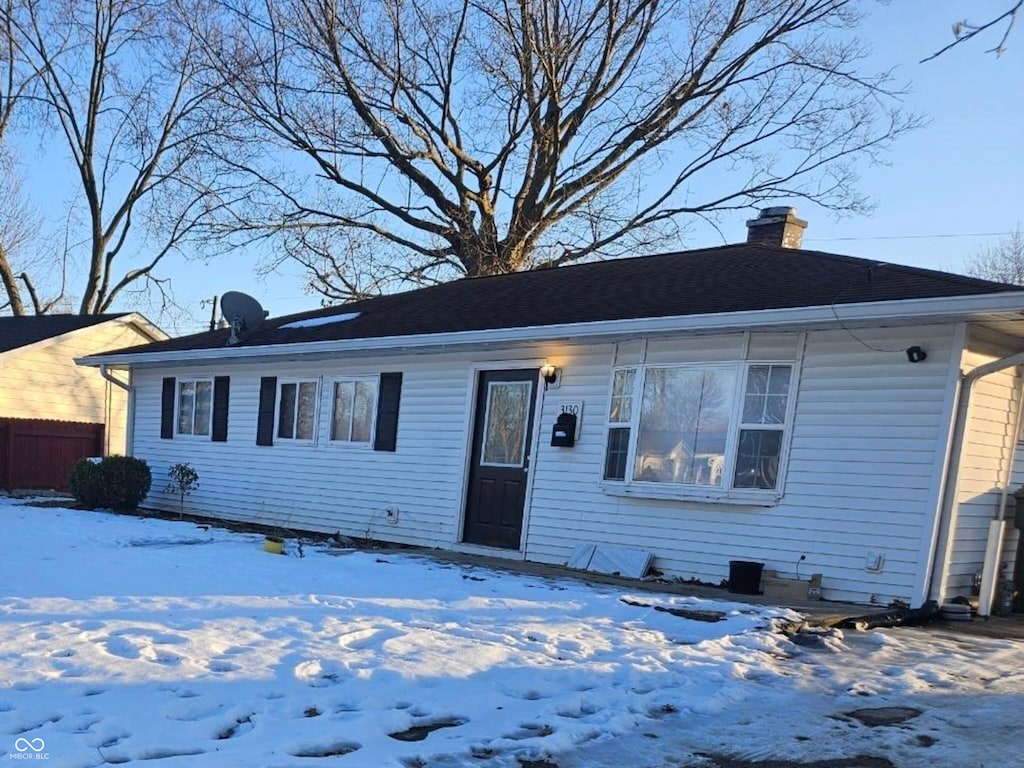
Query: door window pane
[[508, 407], [684, 425]]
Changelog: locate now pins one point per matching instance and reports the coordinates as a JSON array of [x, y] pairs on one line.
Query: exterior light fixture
[[550, 374]]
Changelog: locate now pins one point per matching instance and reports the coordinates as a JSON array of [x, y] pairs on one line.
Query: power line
[[908, 237]]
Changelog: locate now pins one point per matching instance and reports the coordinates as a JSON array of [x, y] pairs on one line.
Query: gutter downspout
[[106, 374], [997, 526], [949, 500], [129, 426]]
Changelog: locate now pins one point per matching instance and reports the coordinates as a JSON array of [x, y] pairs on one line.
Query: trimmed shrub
[[85, 483], [117, 482]]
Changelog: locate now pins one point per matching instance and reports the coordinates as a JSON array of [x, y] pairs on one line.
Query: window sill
[[732, 498]]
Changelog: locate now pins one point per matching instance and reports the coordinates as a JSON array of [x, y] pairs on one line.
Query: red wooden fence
[[35, 453]]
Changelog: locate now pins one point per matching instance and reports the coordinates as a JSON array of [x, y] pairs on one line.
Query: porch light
[[550, 374]]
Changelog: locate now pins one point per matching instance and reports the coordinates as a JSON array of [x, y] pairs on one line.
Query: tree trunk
[[17, 306]]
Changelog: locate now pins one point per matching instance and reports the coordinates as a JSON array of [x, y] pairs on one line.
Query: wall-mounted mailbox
[[563, 434]]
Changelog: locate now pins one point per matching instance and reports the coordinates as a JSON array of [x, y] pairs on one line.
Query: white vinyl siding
[[306, 486], [867, 430], [985, 463]]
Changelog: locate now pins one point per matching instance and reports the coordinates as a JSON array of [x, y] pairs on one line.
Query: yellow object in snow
[[273, 545]]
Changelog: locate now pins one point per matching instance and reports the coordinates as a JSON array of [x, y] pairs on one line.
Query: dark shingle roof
[[729, 278], [21, 331]]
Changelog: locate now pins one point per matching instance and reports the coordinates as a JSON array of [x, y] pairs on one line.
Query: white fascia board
[[957, 307], [145, 326]]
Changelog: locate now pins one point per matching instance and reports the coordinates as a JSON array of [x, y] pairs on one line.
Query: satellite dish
[[242, 313]]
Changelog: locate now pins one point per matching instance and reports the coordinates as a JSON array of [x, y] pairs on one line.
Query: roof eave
[[958, 307]]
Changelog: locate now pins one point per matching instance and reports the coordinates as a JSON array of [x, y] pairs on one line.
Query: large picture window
[[296, 415], [195, 406], [354, 405], [711, 426]]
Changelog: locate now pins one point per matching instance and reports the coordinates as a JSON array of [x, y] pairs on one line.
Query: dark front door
[[502, 427]]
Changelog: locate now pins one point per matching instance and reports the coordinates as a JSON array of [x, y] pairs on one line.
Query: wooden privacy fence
[[36, 453]]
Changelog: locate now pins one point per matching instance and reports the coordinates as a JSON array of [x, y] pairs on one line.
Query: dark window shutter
[[387, 412], [221, 389], [265, 416], [167, 409]]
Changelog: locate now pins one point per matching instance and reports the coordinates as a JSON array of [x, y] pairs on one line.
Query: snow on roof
[[313, 322]]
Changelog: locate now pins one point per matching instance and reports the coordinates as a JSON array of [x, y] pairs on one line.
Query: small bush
[[184, 480], [116, 482], [85, 483]]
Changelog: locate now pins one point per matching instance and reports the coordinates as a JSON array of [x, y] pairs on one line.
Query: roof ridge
[[350, 305], [953, 278]]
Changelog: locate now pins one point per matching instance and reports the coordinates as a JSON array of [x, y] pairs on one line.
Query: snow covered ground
[[125, 640]]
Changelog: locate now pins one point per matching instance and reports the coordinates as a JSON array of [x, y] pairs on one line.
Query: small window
[[620, 415], [296, 415], [195, 405], [765, 404], [354, 406]]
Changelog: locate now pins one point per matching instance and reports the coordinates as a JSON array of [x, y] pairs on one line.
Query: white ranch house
[[750, 402]]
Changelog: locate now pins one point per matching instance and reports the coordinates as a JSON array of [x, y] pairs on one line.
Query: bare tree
[[964, 30], [19, 232], [1002, 262], [431, 139], [16, 224], [121, 84]]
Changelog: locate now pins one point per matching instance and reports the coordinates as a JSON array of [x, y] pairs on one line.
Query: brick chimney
[[777, 226]]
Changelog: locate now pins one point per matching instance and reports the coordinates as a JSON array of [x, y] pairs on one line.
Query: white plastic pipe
[[990, 571]]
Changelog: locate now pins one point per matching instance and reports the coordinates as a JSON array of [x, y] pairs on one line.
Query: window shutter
[[167, 409], [221, 390], [265, 415], [387, 412]]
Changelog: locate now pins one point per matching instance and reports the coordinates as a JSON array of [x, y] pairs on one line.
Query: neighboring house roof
[[21, 331], [730, 278], [16, 333]]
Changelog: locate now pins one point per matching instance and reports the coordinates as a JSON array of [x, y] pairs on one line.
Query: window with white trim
[[194, 407], [354, 406], [713, 426], [296, 409]]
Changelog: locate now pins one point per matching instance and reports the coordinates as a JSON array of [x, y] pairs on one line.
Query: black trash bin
[[745, 577]]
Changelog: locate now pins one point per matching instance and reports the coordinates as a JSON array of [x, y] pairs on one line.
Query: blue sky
[[945, 187]]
